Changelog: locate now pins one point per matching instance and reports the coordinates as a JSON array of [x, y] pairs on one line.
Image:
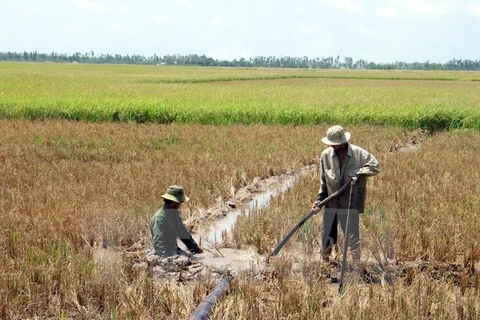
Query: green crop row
[[431, 100], [276, 77]]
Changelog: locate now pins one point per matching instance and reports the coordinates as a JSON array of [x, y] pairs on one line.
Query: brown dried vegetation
[[67, 188], [421, 225]]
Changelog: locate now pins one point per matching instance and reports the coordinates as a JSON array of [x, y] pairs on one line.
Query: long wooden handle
[[308, 216]]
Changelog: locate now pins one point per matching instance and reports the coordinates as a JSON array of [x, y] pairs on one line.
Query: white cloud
[[474, 8], [160, 18], [387, 13], [348, 5], [217, 21], [303, 28], [114, 26], [33, 9], [185, 3], [427, 8], [69, 29], [100, 7], [366, 32], [121, 8], [89, 5], [432, 9]]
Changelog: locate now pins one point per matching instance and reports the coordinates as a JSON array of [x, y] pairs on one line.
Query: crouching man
[[166, 226]]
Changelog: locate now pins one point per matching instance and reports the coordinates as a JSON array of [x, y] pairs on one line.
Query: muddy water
[[247, 200], [260, 195]]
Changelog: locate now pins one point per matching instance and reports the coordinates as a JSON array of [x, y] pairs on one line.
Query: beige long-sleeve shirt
[[359, 163]]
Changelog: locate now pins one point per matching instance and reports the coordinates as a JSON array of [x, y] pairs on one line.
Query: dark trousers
[[331, 218]]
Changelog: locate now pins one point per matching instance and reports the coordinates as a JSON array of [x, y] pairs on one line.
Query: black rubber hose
[[308, 216], [205, 307]]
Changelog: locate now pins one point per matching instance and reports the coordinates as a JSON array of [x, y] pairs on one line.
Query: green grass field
[[203, 95]]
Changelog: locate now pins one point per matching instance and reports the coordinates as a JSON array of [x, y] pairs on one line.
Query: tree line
[[263, 62]]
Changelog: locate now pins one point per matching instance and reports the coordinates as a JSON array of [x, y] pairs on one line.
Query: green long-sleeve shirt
[[166, 226]]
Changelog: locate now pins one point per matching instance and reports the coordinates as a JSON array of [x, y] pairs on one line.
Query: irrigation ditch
[[228, 262]]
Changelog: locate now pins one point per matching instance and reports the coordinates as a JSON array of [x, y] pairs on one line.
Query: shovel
[[345, 241]]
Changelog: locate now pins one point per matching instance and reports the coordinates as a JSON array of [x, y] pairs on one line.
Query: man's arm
[[371, 166], [185, 236], [192, 245], [322, 192]]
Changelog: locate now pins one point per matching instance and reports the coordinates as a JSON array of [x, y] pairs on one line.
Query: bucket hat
[[336, 135], [175, 193]]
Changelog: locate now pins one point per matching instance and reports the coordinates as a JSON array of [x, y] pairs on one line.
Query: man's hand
[[197, 249], [353, 180], [315, 205]]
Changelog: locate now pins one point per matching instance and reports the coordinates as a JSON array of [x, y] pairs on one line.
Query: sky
[[379, 31]]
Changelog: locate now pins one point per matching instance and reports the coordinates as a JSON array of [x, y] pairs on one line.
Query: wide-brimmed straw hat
[[336, 135], [175, 193]]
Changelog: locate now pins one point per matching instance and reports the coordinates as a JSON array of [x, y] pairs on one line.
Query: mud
[[409, 141]]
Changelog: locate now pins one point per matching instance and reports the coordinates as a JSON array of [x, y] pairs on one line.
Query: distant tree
[[260, 61], [348, 62]]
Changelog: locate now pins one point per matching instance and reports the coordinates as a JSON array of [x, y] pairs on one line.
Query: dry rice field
[[67, 187]]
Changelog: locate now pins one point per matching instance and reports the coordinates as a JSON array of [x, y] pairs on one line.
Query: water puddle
[[261, 194]]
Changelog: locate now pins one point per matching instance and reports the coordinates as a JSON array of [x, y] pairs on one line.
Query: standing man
[[338, 164], [166, 226]]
